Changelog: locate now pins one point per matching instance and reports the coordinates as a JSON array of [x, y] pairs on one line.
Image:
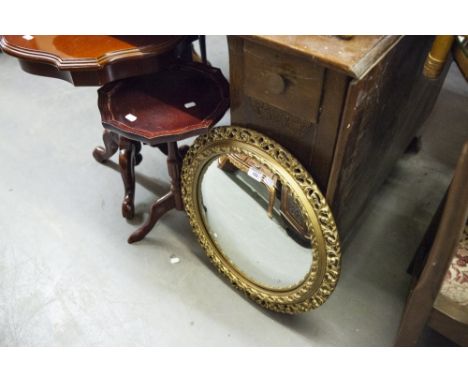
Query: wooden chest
[[347, 108]]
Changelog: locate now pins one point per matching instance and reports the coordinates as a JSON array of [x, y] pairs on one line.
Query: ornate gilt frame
[[322, 278]]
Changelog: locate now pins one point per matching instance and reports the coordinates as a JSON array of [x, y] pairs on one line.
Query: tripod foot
[[158, 209]]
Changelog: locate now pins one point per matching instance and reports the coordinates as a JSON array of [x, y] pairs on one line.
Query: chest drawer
[[283, 81]]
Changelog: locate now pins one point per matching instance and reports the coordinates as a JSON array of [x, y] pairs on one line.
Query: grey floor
[[68, 277]]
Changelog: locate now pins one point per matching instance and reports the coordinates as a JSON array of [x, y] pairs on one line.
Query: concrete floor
[[68, 277]]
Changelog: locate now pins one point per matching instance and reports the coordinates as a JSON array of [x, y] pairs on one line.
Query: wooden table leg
[[158, 209], [173, 199], [111, 145], [128, 152]]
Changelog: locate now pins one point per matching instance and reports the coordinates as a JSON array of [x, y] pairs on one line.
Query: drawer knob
[[275, 83]]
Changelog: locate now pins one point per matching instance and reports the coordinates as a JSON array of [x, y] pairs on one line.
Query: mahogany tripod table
[[160, 109]]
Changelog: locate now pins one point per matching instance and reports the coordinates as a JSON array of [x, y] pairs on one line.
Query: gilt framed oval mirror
[[261, 219]]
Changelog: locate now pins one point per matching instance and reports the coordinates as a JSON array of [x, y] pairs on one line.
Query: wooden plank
[[420, 307], [333, 99]]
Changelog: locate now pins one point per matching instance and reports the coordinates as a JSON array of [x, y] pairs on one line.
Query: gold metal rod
[[437, 57]]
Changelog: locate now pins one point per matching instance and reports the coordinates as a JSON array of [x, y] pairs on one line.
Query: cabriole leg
[[111, 145]]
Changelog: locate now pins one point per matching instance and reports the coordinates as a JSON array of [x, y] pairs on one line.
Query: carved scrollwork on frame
[[320, 281]]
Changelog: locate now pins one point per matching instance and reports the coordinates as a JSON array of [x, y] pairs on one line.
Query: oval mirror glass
[[240, 200]]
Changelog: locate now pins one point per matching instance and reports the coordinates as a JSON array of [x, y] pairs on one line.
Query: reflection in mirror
[[255, 221]]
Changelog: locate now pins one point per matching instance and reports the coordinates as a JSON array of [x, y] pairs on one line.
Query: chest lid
[[353, 55]]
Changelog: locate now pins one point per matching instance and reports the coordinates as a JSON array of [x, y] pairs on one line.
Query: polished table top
[[91, 60], [171, 105]]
